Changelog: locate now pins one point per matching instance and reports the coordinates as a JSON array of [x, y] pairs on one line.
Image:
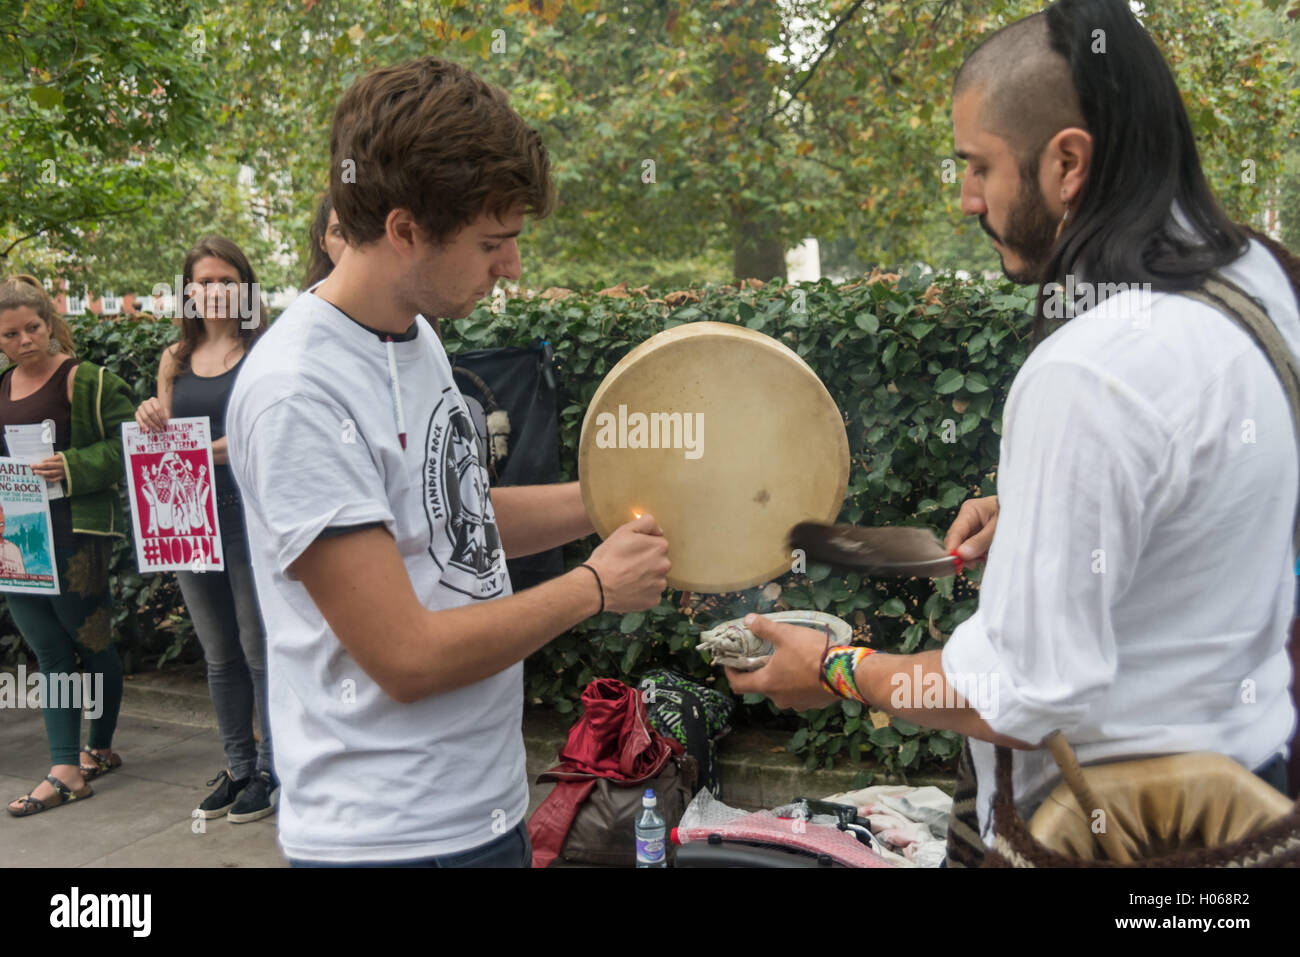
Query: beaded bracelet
[[839, 662]]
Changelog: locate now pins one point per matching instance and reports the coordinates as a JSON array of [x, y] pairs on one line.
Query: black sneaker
[[257, 800], [222, 799]]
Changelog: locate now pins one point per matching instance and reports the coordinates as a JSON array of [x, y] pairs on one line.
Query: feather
[[896, 552], [498, 428]]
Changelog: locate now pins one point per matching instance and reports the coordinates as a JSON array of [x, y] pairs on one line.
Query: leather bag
[[603, 832]]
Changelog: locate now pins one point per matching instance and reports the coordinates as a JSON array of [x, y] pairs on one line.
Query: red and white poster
[[173, 500]]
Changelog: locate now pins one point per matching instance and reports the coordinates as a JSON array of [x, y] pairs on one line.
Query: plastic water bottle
[[650, 849]]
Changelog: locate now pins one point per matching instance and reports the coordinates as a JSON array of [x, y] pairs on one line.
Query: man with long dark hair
[[1138, 591]]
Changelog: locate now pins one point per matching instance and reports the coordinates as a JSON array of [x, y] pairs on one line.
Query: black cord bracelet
[[598, 585]]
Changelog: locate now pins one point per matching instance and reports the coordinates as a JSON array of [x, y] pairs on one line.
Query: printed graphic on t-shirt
[[457, 505]]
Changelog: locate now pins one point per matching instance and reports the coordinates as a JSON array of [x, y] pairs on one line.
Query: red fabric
[[550, 823], [613, 739]]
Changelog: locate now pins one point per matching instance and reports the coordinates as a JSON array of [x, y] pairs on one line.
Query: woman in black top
[[79, 409], [222, 316]]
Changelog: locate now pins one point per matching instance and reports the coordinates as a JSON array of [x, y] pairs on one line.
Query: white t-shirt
[[313, 444], [1140, 585]]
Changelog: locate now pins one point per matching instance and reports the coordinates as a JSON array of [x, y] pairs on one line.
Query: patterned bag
[[691, 714]]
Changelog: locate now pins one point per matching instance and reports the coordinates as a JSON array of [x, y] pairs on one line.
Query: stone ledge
[[755, 770]]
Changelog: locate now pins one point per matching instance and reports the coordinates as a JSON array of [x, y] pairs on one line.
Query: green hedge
[[920, 371]]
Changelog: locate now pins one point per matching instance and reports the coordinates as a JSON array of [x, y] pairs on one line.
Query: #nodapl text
[[182, 550]]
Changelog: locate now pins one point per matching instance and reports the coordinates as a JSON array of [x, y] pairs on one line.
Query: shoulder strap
[[1232, 301]]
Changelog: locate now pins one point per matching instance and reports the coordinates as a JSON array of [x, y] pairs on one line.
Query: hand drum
[[724, 435]]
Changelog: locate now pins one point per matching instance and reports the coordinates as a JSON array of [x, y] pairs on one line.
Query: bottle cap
[[648, 799]]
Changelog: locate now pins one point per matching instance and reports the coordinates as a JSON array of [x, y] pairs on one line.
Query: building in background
[[804, 262]]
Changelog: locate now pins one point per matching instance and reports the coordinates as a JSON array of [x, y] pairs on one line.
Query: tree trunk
[[759, 252]]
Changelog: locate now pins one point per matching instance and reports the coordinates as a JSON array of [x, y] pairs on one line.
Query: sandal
[[101, 765], [33, 805]]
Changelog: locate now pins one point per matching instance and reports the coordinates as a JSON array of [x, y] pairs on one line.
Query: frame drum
[[727, 438]]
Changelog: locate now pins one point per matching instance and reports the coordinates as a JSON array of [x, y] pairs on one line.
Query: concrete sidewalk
[[141, 814]]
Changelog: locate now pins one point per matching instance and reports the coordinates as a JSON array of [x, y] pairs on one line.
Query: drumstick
[[894, 552]]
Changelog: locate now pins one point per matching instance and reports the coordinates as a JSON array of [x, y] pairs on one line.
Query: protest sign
[[27, 565], [173, 499]]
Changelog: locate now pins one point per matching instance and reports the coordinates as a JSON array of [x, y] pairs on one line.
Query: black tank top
[[50, 401], [196, 395]]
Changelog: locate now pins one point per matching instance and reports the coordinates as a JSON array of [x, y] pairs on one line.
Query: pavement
[[141, 814]]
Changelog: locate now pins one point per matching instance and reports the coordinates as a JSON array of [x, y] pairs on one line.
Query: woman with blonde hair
[[84, 406]]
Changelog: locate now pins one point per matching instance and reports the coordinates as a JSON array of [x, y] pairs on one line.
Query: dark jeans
[[223, 606], [512, 849], [1273, 772]]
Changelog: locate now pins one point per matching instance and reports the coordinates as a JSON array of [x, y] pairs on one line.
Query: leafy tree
[[689, 140], [99, 100]]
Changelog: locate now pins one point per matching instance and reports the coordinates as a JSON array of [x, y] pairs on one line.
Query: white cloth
[[912, 822], [1140, 584], [313, 444]]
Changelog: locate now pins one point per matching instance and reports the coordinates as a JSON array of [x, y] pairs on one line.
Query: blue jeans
[[512, 849], [223, 607]]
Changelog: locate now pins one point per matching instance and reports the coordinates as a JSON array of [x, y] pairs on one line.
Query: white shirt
[[313, 444], [1139, 588]]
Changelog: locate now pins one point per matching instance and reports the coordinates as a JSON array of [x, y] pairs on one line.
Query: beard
[[1030, 233], [418, 297]]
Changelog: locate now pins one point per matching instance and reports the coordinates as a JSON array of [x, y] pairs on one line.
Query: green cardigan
[[92, 465]]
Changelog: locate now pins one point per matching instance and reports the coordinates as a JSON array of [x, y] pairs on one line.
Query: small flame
[[635, 513]]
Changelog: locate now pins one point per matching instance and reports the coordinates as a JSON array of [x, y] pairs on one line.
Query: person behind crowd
[[325, 242], [1141, 572], [396, 642], [87, 405], [222, 317]]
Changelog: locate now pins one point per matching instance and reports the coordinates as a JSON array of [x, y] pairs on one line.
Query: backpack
[[692, 715]]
